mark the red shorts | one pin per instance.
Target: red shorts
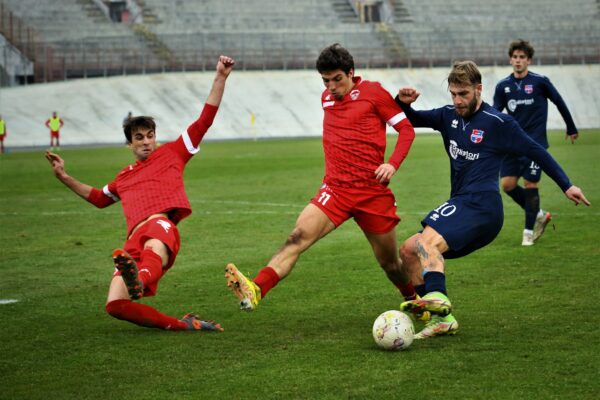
(373, 208)
(157, 228)
(55, 134)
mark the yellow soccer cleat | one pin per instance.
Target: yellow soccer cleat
(439, 326)
(244, 289)
(419, 315)
(434, 302)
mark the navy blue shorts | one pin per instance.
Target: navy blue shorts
(467, 222)
(520, 166)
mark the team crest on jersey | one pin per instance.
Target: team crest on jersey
(477, 136)
(506, 89)
(528, 89)
(354, 94)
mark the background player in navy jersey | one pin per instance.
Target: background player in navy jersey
(356, 178)
(476, 138)
(525, 96)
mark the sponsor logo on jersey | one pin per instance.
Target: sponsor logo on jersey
(477, 135)
(513, 104)
(528, 89)
(506, 89)
(454, 123)
(456, 152)
(328, 103)
(354, 94)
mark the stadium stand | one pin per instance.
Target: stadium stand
(561, 31)
(284, 103)
(73, 38)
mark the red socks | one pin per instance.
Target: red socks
(149, 267)
(266, 279)
(143, 315)
(408, 291)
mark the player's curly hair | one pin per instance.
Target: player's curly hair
(522, 45)
(134, 123)
(464, 73)
(335, 57)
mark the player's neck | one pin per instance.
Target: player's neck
(520, 75)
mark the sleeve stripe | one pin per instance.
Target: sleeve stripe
(109, 194)
(396, 118)
(188, 143)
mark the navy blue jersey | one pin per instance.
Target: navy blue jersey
(526, 100)
(477, 145)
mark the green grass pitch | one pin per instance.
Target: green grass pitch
(528, 316)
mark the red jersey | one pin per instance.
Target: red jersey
(155, 185)
(354, 134)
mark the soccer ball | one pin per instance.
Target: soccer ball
(393, 330)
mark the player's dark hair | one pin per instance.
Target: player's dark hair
(335, 57)
(134, 123)
(522, 45)
(464, 73)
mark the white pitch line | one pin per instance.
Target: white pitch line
(246, 203)
(8, 301)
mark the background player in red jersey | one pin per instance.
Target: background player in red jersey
(154, 201)
(356, 178)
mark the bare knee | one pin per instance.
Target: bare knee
(407, 250)
(508, 183)
(295, 238)
(530, 185)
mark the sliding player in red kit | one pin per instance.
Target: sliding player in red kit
(153, 197)
(356, 178)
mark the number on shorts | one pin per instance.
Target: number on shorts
(324, 198)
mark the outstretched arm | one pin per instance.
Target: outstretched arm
(58, 165)
(99, 198)
(224, 68)
(196, 130)
(418, 119)
(520, 143)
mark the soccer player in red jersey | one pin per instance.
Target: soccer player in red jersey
(153, 198)
(356, 178)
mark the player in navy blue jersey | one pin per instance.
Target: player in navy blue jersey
(525, 94)
(476, 138)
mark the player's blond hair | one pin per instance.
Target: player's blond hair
(464, 73)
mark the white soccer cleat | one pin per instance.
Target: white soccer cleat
(542, 219)
(527, 238)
